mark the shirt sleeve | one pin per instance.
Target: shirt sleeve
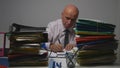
(50, 34)
(49, 30)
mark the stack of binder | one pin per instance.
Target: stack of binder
(25, 49)
(96, 42)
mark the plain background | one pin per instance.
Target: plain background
(40, 12)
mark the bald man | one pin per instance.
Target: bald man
(56, 29)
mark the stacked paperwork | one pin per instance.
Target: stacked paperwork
(25, 49)
(96, 42)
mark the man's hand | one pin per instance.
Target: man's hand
(69, 47)
(56, 47)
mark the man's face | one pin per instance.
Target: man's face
(69, 19)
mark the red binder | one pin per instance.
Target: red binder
(1, 66)
(93, 38)
(2, 43)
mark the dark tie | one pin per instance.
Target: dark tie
(66, 39)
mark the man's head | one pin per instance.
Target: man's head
(69, 15)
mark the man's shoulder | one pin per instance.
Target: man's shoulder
(55, 22)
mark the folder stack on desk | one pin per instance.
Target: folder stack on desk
(96, 42)
(25, 47)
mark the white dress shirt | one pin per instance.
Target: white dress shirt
(56, 34)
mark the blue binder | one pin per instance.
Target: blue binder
(4, 61)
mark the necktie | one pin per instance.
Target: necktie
(66, 39)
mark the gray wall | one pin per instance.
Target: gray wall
(118, 31)
(40, 12)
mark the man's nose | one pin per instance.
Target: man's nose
(69, 21)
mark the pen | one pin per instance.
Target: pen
(59, 41)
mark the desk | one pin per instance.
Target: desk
(103, 66)
(115, 65)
